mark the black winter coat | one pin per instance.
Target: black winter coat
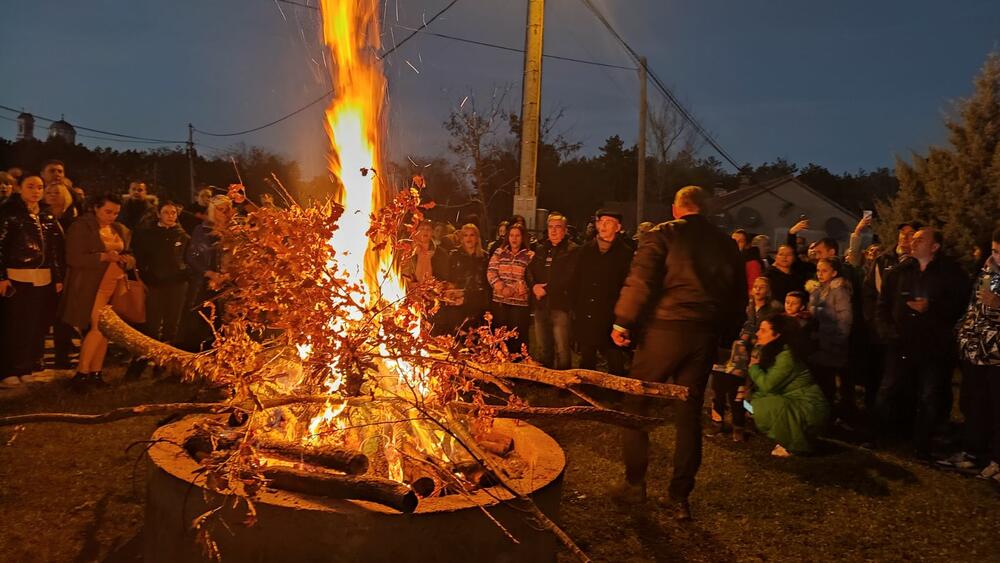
(556, 267)
(599, 280)
(468, 272)
(159, 254)
(930, 334)
(30, 242)
(686, 270)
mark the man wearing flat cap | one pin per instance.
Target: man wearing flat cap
(685, 292)
(600, 273)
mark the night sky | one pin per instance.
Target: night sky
(843, 84)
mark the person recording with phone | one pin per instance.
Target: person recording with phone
(921, 300)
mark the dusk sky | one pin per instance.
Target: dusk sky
(843, 84)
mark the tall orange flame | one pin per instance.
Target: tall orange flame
(355, 122)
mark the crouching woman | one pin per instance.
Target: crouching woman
(787, 404)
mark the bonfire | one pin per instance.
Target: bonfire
(334, 384)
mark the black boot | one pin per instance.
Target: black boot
(80, 381)
(96, 379)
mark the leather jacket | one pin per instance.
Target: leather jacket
(30, 242)
(554, 265)
(686, 270)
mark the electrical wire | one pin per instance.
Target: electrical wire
(516, 50)
(416, 31)
(330, 91)
(662, 87)
(270, 123)
(100, 131)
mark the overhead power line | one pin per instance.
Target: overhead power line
(269, 123)
(516, 50)
(662, 87)
(330, 91)
(417, 30)
(100, 131)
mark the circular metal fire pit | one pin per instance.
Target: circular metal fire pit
(297, 527)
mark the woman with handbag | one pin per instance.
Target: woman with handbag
(97, 253)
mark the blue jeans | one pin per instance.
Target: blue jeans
(552, 328)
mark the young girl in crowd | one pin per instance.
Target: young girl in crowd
(31, 271)
(830, 306)
(726, 385)
(506, 275)
(786, 404)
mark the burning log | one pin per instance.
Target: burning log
(382, 491)
(348, 461)
(200, 444)
(496, 443)
(475, 473)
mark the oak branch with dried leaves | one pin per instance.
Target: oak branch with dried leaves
(317, 361)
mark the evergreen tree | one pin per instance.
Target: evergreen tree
(956, 188)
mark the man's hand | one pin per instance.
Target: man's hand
(5, 286)
(539, 290)
(866, 221)
(800, 226)
(620, 337)
(59, 288)
(918, 305)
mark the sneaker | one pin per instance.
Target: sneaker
(780, 451)
(627, 493)
(991, 471)
(10, 382)
(961, 460)
(739, 435)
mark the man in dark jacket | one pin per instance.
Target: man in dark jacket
(687, 288)
(601, 270)
(137, 209)
(550, 277)
(920, 303)
(870, 291)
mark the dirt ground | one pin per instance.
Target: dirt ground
(73, 493)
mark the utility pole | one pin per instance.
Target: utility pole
(640, 149)
(525, 201)
(190, 150)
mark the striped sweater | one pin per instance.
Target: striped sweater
(506, 274)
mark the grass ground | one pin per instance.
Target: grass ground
(72, 493)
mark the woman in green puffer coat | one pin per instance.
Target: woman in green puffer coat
(787, 404)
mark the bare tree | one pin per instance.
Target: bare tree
(672, 137)
(474, 131)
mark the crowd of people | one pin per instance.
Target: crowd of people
(64, 256)
(789, 335)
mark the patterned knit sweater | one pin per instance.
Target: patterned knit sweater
(506, 274)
